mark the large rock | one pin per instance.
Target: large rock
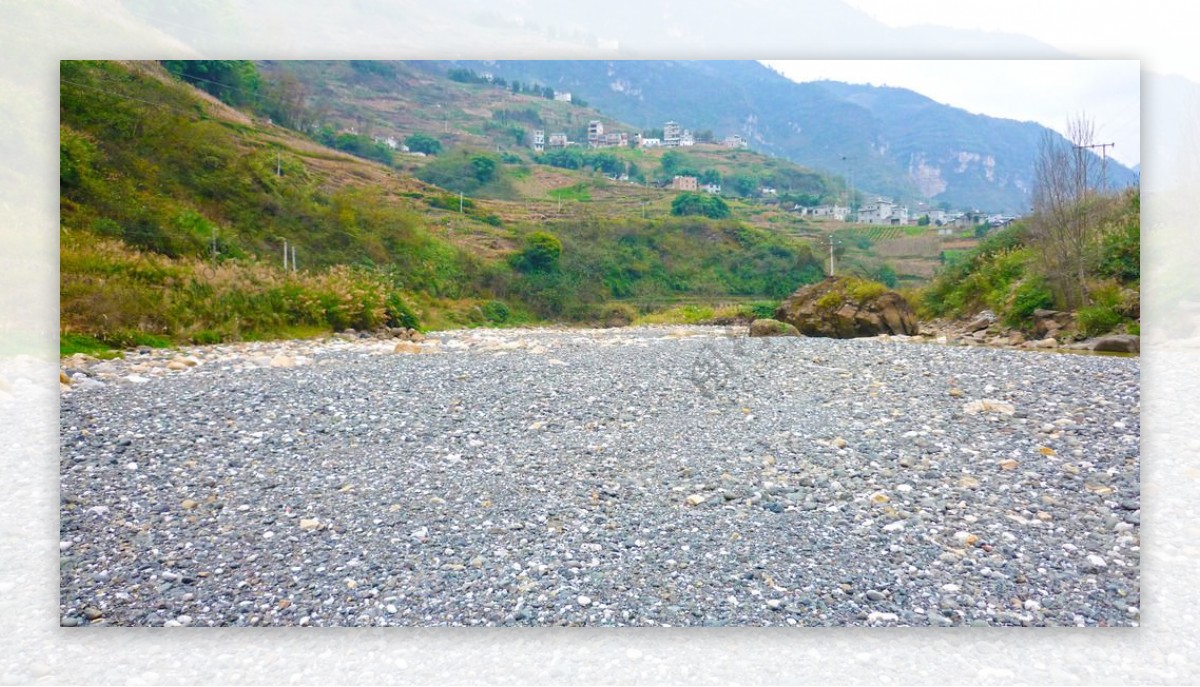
(982, 321)
(1048, 323)
(846, 308)
(767, 327)
(1118, 343)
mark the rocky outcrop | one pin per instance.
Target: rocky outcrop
(1050, 323)
(1118, 343)
(768, 327)
(846, 308)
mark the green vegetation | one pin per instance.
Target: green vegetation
(703, 204)
(705, 314)
(423, 143)
(1006, 274)
(174, 216)
(469, 172)
(355, 144)
(606, 162)
(578, 192)
(235, 82)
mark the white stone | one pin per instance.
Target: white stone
(584, 600)
(988, 405)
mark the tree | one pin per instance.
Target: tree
(285, 101)
(672, 161)
(704, 204)
(235, 82)
(1062, 226)
(484, 167)
(745, 185)
(423, 143)
(541, 253)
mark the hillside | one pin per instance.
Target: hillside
(894, 141)
(176, 207)
(469, 112)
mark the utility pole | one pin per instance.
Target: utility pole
(214, 244)
(1103, 160)
(293, 257)
(460, 202)
(285, 253)
(850, 204)
(278, 164)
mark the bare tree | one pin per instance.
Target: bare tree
(1064, 196)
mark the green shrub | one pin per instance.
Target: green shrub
(704, 204)
(206, 337)
(1032, 294)
(1095, 320)
(830, 300)
(759, 310)
(398, 312)
(496, 312)
(864, 290)
(541, 253)
(70, 344)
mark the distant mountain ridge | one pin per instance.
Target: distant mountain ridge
(891, 141)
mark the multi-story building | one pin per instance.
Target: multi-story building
(595, 132)
(672, 132)
(883, 211)
(685, 183)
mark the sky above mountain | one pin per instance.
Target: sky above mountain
(1049, 92)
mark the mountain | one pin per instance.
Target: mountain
(892, 141)
(184, 217)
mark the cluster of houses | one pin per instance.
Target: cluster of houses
(673, 136)
(881, 210)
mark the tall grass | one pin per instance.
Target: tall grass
(121, 296)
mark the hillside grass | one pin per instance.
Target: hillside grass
(174, 215)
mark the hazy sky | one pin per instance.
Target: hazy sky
(1049, 92)
(1161, 35)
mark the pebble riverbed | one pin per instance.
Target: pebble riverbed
(626, 477)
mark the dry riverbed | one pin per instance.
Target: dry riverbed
(637, 476)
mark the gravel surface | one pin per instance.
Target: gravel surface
(641, 476)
